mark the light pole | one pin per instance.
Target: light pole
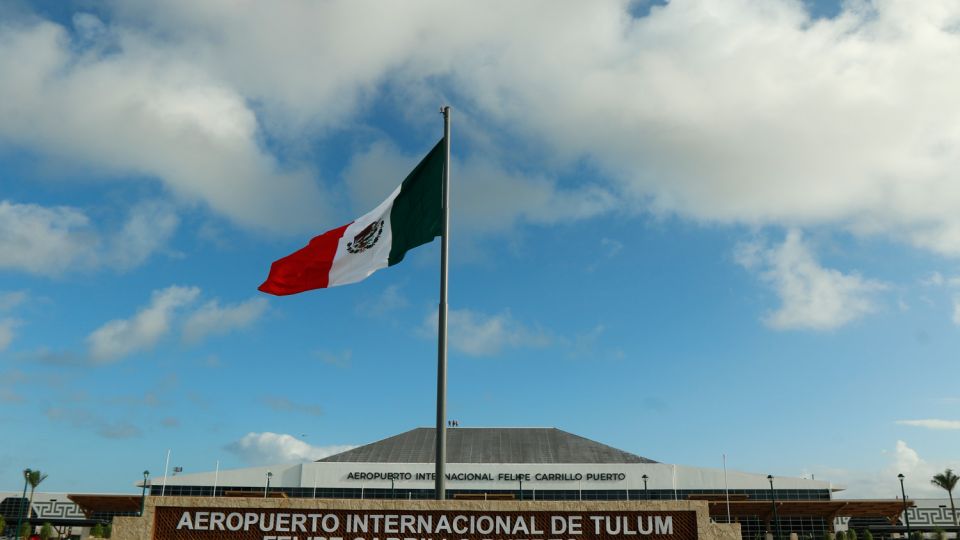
(521, 488)
(393, 494)
(26, 479)
(906, 516)
(266, 487)
(143, 493)
(646, 495)
(773, 499)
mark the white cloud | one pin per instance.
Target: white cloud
(163, 118)
(391, 299)
(119, 430)
(7, 395)
(149, 227)
(212, 319)
(590, 345)
(122, 337)
(478, 334)
(884, 483)
(44, 241)
(7, 327)
(267, 448)
(611, 247)
(847, 121)
(812, 297)
(282, 404)
(87, 419)
(8, 301)
(342, 359)
(53, 240)
(11, 299)
(11, 383)
(932, 423)
(933, 279)
(938, 281)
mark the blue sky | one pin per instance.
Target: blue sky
(683, 229)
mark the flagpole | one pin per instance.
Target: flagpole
(216, 479)
(441, 431)
(166, 466)
(726, 488)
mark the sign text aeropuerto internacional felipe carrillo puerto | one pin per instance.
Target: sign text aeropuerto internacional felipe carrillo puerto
(316, 524)
(490, 477)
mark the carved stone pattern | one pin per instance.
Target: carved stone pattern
(57, 509)
(931, 516)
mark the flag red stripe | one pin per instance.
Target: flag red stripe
(305, 269)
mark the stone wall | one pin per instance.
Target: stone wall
(141, 528)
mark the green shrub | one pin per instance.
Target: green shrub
(97, 531)
(108, 530)
(852, 534)
(841, 535)
(26, 530)
(46, 531)
(867, 535)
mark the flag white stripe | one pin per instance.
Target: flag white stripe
(352, 267)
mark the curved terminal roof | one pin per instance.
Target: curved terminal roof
(489, 445)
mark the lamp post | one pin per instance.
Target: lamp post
(773, 499)
(143, 493)
(906, 516)
(521, 488)
(266, 487)
(26, 479)
(393, 495)
(646, 495)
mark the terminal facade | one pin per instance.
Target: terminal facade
(532, 464)
(519, 464)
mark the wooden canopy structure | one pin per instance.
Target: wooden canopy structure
(113, 504)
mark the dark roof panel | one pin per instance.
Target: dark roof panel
(489, 445)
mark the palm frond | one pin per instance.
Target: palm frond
(34, 478)
(946, 480)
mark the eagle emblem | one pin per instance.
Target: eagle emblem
(366, 238)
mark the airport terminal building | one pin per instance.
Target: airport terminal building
(518, 463)
(523, 464)
(538, 464)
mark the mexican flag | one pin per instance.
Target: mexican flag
(411, 216)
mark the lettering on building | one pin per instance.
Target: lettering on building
(490, 477)
(313, 524)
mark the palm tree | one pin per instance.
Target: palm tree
(947, 480)
(33, 478)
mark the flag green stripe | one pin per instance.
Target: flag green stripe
(417, 214)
